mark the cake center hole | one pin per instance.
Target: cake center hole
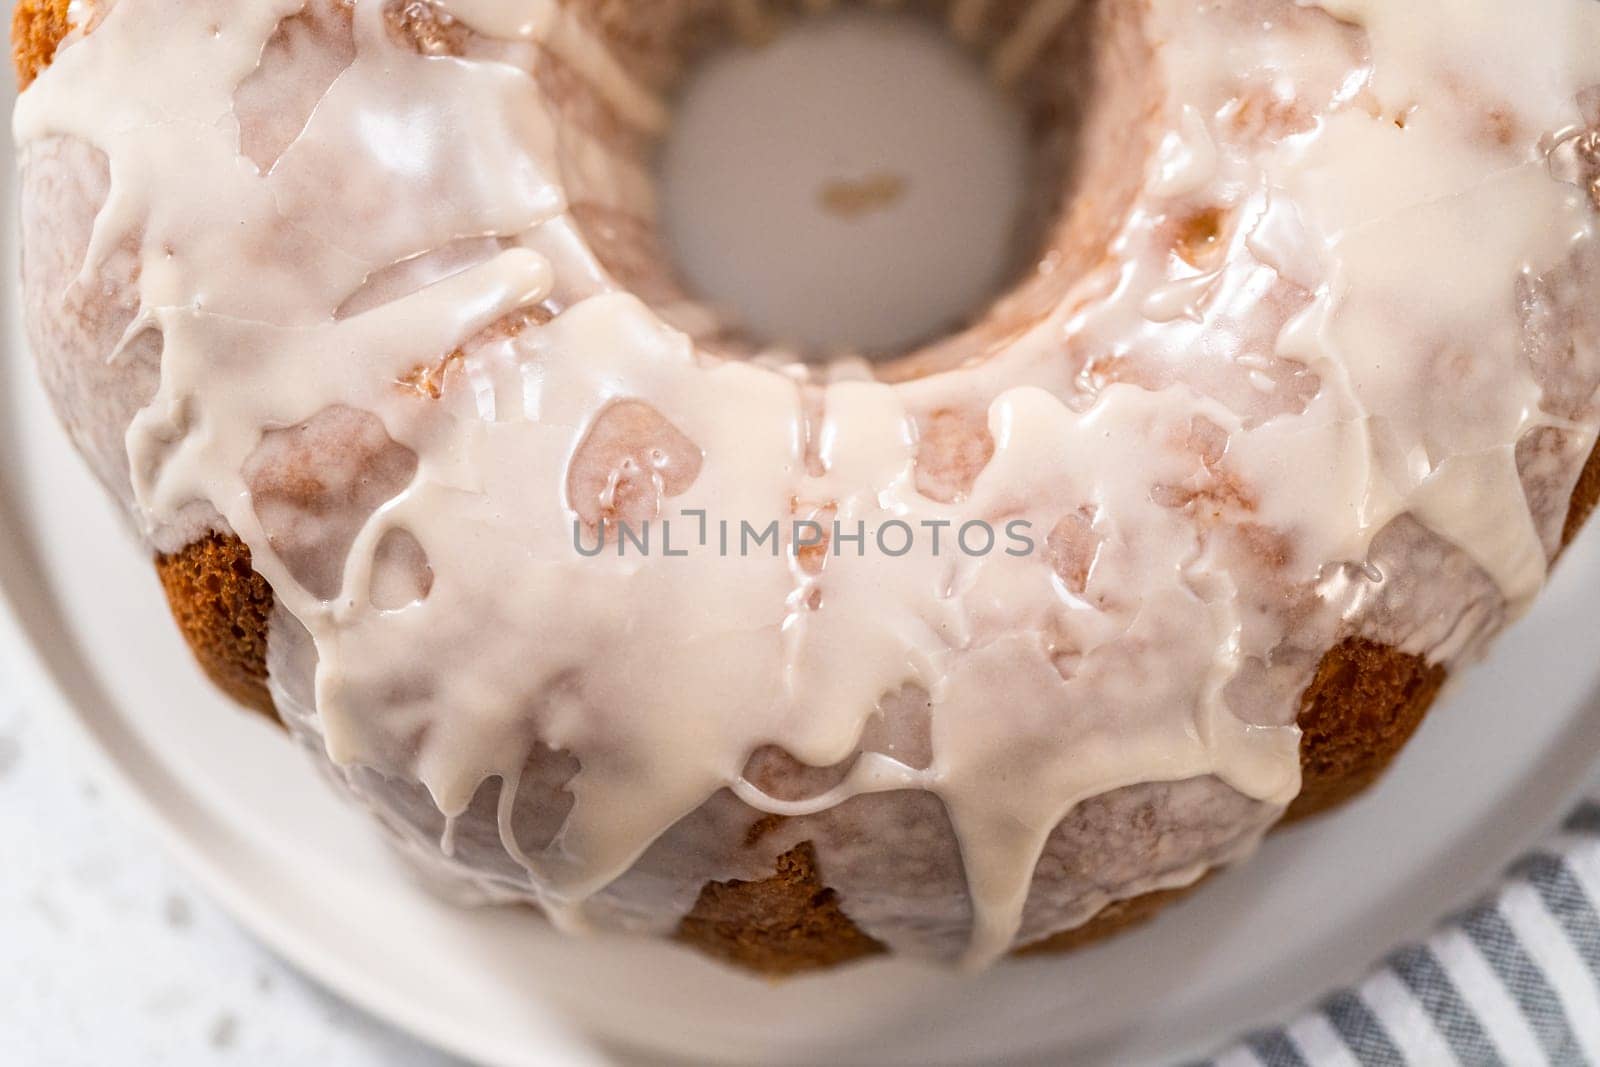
(858, 184)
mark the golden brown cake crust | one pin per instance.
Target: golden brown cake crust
(37, 26)
(1584, 498)
(778, 926)
(1362, 706)
(222, 606)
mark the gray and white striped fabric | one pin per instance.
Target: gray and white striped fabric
(1514, 980)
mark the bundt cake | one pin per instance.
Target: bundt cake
(360, 309)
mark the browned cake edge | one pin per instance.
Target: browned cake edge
(1584, 498)
(1362, 706)
(781, 925)
(222, 607)
(37, 26)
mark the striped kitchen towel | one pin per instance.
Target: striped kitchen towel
(1514, 980)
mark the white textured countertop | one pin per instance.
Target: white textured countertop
(113, 957)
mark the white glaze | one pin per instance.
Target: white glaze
(1239, 463)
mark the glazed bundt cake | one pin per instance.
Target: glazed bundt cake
(600, 604)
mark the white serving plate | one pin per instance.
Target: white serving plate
(1491, 770)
